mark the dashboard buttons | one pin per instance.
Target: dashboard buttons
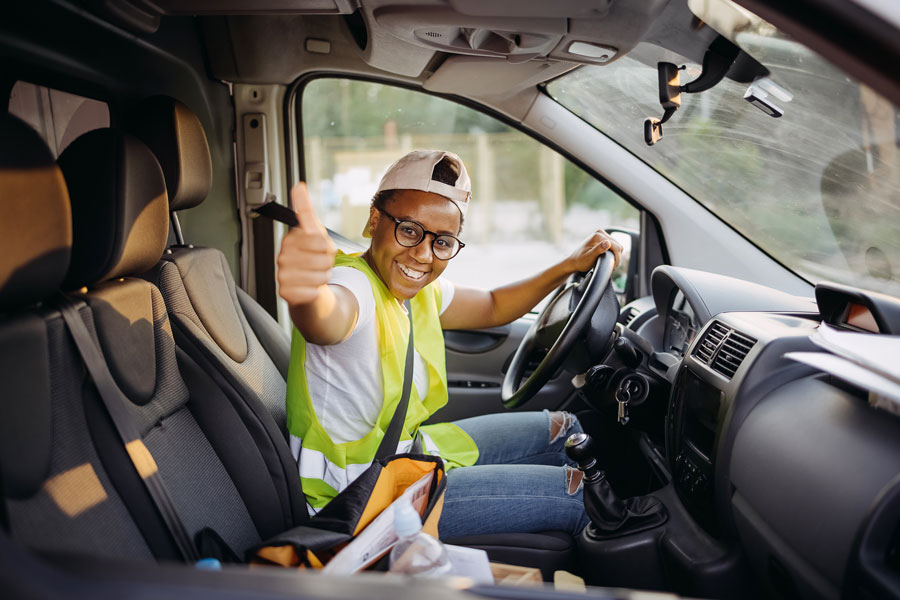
(691, 478)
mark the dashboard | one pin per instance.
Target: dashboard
(772, 438)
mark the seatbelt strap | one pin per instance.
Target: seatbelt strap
(114, 401)
(388, 446)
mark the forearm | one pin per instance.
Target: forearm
(477, 309)
(329, 319)
(511, 301)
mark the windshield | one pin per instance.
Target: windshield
(818, 188)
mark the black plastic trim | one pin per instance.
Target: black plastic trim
(833, 300)
(357, 26)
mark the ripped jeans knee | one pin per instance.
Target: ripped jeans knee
(574, 479)
(562, 424)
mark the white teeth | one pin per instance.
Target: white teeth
(410, 273)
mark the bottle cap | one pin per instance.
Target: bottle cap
(208, 564)
(406, 520)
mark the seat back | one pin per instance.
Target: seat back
(223, 325)
(57, 493)
(214, 322)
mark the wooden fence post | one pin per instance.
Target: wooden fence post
(553, 192)
(485, 186)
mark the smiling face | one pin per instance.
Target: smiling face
(405, 271)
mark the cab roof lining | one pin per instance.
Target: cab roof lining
(847, 33)
(273, 48)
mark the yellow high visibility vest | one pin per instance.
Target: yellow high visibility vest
(327, 467)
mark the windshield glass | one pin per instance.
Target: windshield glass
(818, 188)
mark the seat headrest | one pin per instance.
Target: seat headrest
(120, 215)
(174, 134)
(35, 220)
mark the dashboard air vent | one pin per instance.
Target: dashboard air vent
(734, 349)
(711, 341)
(631, 315)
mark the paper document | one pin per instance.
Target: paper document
(849, 372)
(379, 536)
(865, 360)
(469, 562)
(875, 352)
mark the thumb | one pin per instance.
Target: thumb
(303, 208)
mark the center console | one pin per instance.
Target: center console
(691, 427)
(686, 552)
(692, 552)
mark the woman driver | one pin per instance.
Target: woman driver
(506, 472)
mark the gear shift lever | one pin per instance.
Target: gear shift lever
(606, 510)
(580, 449)
(609, 514)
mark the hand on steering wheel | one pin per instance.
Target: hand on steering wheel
(558, 327)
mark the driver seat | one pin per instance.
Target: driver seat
(225, 331)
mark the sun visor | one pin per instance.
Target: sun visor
(484, 77)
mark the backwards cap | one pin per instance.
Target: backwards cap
(413, 172)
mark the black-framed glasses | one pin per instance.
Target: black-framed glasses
(411, 233)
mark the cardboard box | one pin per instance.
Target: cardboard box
(515, 575)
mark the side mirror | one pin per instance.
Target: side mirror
(625, 277)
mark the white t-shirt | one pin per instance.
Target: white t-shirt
(345, 380)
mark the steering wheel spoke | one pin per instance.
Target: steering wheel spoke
(555, 316)
(549, 333)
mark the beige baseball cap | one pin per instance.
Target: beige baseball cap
(414, 171)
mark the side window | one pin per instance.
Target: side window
(59, 117)
(530, 206)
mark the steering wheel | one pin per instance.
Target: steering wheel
(553, 334)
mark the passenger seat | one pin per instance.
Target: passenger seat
(234, 340)
(216, 322)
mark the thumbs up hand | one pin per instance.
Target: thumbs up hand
(307, 253)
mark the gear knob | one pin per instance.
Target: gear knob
(580, 449)
(609, 514)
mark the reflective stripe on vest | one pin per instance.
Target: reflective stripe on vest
(325, 467)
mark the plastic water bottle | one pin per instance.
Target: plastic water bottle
(417, 553)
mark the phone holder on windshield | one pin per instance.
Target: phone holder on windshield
(717, 60)
(669, 98)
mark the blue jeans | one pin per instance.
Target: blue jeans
(523, 481)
